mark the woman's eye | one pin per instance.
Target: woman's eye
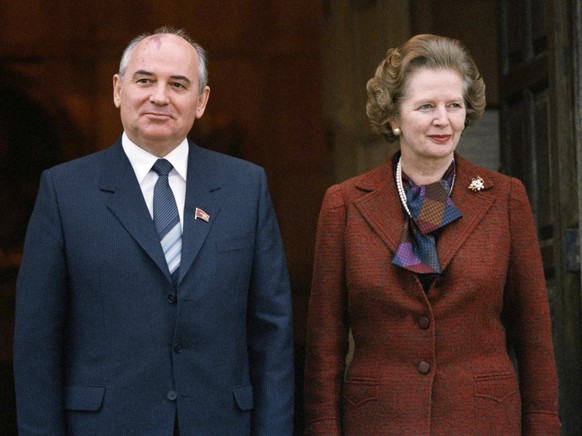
(425, 107)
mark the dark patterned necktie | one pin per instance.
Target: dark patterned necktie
(166, 217)
(431, 209)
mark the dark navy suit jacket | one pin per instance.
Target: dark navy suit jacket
(105, 344)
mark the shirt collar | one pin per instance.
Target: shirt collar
(142, 161)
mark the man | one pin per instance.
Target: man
(124, 328)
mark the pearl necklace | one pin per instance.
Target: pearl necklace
(400, 186)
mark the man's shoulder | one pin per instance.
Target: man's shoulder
(86, 162)
(221, 163)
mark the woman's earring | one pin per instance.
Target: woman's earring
(396, 131)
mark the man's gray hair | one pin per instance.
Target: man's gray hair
(202, 59)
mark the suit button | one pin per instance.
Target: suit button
(172, 298)
(172, 395)
(178, 348)
(424, 367)
(424, 322)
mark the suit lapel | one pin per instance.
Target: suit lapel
(382, 210)
(201, 188)
(128, 205)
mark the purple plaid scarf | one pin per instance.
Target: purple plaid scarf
(431, 209)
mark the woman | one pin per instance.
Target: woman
(432, 265)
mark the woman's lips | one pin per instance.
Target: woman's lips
(440, 138)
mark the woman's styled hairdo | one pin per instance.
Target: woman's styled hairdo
(387, 86)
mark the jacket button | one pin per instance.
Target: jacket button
(172, 298)
(424, 322)
(424, 367)
(172, 395)
(178, 348)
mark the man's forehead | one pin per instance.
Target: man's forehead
(155, 39)
(159, 41)
(172, 48)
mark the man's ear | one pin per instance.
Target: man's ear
(202, 101)
(116, 90)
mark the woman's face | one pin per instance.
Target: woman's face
(431, 114)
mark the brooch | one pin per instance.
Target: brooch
(477, 184)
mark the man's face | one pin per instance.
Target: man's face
(158, 96)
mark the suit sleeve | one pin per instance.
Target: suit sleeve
(528, 321)
(41, 304)
(270, 327)
(327, 323)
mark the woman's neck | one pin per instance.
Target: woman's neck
(425, 172)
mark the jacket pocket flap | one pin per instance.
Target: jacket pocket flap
(360, 390)
(496, 386)
(84, 398)
(244, 397)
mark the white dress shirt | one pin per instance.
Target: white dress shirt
(142, 163)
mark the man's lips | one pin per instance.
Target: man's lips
(157, 115)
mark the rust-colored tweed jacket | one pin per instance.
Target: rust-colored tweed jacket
(432, 363)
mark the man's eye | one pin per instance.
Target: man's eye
(143, 81)
(178, 85)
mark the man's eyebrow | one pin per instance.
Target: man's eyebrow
(142, 73)
(181, 78)
(174, 77)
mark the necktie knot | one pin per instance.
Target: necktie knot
(162, 167)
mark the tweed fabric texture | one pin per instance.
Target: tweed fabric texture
(431, 209)
(433, 363)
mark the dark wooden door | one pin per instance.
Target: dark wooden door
(538, 145)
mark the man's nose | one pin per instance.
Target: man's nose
(159, 94)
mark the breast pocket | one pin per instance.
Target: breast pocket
(234, 243)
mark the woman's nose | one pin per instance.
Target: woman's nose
(441, 116)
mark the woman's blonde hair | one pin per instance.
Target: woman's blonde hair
(387, 86)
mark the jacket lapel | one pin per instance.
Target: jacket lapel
(201, 189)
(472, 204)
(381, 207)
(128, 205)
